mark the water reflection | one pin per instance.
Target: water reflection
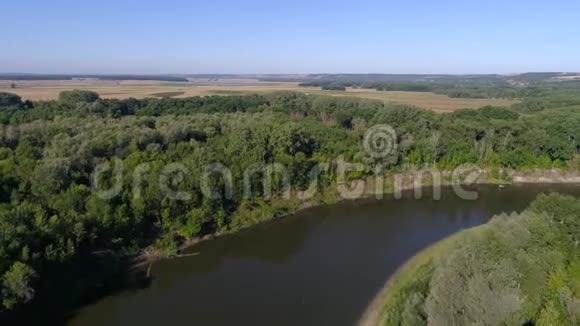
(321, 266)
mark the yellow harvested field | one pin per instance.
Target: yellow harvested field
(48, 90)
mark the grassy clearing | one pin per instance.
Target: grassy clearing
(49, 90)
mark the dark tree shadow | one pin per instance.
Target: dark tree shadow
(73, 284)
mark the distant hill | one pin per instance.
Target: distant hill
(19, 76)
(524, 79)
(495, 79)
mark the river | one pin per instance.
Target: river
(321, 266)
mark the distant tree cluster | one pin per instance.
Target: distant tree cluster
(476, 86)
(78, 96)
(334, 88)
(9, 99)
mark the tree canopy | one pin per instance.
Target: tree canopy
(518, 269)
(9, 99)
(78, 96)
(52, 218)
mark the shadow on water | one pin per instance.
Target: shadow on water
(76, 283)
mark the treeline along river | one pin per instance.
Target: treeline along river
(321, 266)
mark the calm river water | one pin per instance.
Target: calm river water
(319, 267)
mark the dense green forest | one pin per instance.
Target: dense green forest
(519, 269)
(52, 221)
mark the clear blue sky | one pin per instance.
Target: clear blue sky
(300, 36)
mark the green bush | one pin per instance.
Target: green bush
(491, 112)
(9, 99)
(78, 96)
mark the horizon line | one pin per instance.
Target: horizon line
(287, 74)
